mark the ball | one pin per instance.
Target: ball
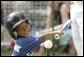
(48, 44)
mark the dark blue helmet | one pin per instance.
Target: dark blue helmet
(13, 20)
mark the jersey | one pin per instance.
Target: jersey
(25, 45)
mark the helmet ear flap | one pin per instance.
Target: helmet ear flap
(15, 33)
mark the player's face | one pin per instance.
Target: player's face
(23, 29)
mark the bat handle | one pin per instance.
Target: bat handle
(56, 36)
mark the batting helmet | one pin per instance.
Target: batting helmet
(13, 20)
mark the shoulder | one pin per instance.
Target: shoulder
(23, 40)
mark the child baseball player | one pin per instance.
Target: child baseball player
(19, 28)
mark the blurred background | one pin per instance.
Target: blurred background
(43, 15)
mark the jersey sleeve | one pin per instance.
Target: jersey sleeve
(35, 42)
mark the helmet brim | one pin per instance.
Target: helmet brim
(18, 23)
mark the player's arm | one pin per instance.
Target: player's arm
(48, 35)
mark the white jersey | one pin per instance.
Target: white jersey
(77, 25)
